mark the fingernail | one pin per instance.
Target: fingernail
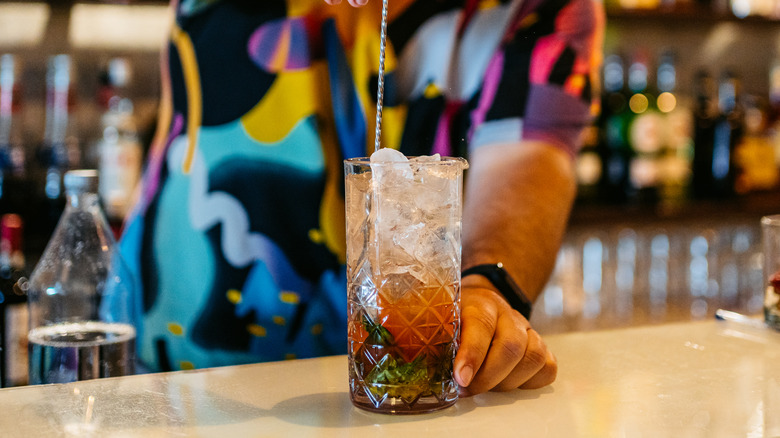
(465, 374)
(361, 2)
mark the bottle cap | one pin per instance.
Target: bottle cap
(84, 180)
(59, 72)
(7, 70)
(119, 72)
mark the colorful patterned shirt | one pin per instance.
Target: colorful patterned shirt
(237, 240)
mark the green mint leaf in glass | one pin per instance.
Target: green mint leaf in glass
(397, 378)
(377, 334)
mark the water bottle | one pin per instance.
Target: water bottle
(79, 295)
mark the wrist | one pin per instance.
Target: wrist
(495, 277)
(477, 281)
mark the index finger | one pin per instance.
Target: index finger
(477, 328)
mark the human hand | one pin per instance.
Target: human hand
(499, 350)
(356, 3)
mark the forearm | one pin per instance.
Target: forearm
(517, 203)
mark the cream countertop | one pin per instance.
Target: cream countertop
(703, 379)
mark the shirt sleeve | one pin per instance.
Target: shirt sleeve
(543, 84)
(564, 76)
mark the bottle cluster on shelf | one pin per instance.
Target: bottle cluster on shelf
(32, 167)
(32, 172)
(652, 144)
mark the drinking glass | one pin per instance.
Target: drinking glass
(403, 275)
(770, 229)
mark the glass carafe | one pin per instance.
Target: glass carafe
(79, 295)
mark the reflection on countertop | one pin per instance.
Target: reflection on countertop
(626, 267)
(710, 378)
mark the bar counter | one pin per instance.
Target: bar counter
(696, 379)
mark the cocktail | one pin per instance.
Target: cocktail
(403, 276)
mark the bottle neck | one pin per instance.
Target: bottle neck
(80, 204)
(667, 77)
(637, 77)
(8, 107)
(727, 97)
(56, 116)
(57, 100)
(82, 200)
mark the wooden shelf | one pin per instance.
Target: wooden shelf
(687, 15)
(737, 209)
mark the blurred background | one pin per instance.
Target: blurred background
(674, 176)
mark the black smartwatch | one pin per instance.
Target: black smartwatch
(503, 282)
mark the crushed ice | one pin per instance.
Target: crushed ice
(415, 209)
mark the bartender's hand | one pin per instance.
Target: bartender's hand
(499, 350)
(355, 3)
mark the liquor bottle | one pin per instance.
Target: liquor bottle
(728, 132)
(60, 149)
(718, 132)
(14, 193)
(119, 150)
(704, 118)
(613, 125)
(675, 166)
(80, 295)
(13, 304)
(645, 132)
(754, 155)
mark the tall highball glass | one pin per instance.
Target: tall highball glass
(403, 274)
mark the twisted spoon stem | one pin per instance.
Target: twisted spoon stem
(380, 90)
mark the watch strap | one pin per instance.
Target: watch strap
(505, 284)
